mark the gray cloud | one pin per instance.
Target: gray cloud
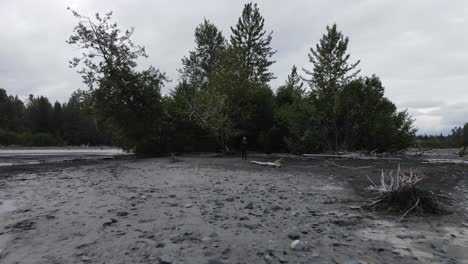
(417, 48)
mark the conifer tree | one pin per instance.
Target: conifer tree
(330, 73)
(202, 63)
(250, 37)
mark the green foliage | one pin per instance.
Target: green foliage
(126, 100)
(40, 124)
(253, 43)
(12, 111)
(369, 121)
(465, 135)
(39, 114)
(203, 62)
(330, 72)
(223, 95)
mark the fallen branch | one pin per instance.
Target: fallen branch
(372, 204)
(446, 161)
(409, 210)
(347, 156)
(275, 164)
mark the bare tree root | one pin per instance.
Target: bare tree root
(409, 210)
(399, 193)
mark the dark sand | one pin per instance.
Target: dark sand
(220, 210)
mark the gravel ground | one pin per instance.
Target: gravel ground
(221, 210)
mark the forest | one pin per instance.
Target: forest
(222, 94)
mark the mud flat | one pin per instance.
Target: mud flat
(221, 210)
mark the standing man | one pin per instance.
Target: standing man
(244, 148)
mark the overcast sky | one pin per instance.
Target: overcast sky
(418, 48)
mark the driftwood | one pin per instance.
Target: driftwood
(275, 164)
(399, 192)
(347, 156)
(446, 161)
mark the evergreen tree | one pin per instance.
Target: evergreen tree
(292, 91)
(252, 40)
(294, 80)
(330, 72)
(39, 114)
(202, 63)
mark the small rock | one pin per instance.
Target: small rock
(243, 218)
(276, 208)
(268, 258)
(85, 259)
(298, 245)
(404, 236)
(315, 253)
(188, 206)
(172, 196)
(166, 259)
(121, 213)
(109, 222)
(294, 235)
(160, 245)
(249, 205)
(355, 207)
(380, 249)
(226, 251)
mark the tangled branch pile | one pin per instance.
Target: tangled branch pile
(399, 192)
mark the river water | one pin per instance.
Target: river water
(26, 156)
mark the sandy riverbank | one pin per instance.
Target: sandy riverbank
(219, 210)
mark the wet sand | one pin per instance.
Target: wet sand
(220, 210)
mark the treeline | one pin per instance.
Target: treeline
(458, 138)
(223, 94)
(39, 123)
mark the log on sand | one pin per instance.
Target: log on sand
(275, 164)
(347, 156)
(446, 161)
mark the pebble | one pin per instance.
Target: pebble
(109, 222)
(276, 208)
(166, 259)
(298, 245)
(249, 205)
(160, 245)
(294, 235)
